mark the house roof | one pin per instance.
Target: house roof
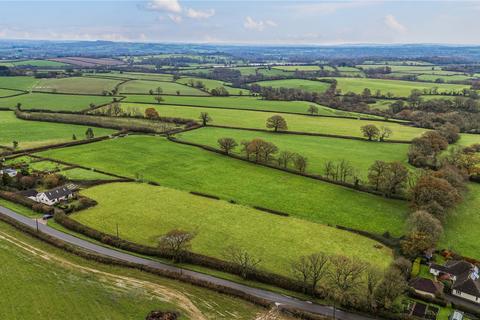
(29, 193)
(426, 285)
(454, 267)
(467, 284)
(419, 309)
(57, 193)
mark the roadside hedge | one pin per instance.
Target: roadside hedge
(26, 202)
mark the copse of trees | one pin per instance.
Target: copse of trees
(390, 178)
(424, 151)
(373, 133)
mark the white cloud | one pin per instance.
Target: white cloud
(175, 18)
(392, 23)
(199, 14)
(165, 5)
(330, 7)
(258, 25)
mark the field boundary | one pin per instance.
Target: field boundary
(287, 170)
(314, 134)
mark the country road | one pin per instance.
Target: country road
(277, 298)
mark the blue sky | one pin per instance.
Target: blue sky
(252, 22)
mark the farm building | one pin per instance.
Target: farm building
(465, 278)
(55, 195)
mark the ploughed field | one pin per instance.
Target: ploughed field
(30, 134)
(145, 212)
(318, 150)
(192, 169)
(300, 123)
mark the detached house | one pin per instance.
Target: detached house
(9, 171)
(55, 195)
(465, 278)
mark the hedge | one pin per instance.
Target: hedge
(24, 201)
(205, 195)
(389, 242)
(279, 213)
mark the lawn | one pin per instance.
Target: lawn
(18, 83)
(397, 87)
(145, 212)
(318, 150)
(212, 84)
(44, 283)
(462, 233)
(83, 174)
(144, 87)
(81, 85)
(303, 123)
(30, 134)
(54, 102)
(301, 84)
(192, 169)
(247, 103)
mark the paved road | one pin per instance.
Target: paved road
(265, 294)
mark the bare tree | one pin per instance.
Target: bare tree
(370, 131)
(312, 109)
(300, 162)
(243, 259)
(158, 95)
(177, 242)
(205, 118)
(310, 270)
(284, 158)
(227, 144)
(384, 133)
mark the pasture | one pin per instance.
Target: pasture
(7, 92)
(32, 63)
(298, 68)
(212, 84)
(45, 283)
(461, 228)
(83, 174)
(300, 84)
(144, 87)
(318, 150)
(79, 85)
(137, 75)
(145, 212)
(398, 88)
(18, 83)
(30, 134)
(247, 103)
(192, 169)
(301, 123)
(54, 102)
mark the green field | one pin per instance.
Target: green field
(47, 166)
(18, 83)
(446, 78)
(212, 84)
(318, 150)
(303, 123)
(45, 283)
(81, 85)
(32, 134)
(192, 169)
(299, 68)
(144, 213)
(54, 102)
(32, 63)
(301, 84)
(397, 87)
(461, 230)
(144, 87)
(6, 93)
(83, 174)
(247, 103)
(135, 75)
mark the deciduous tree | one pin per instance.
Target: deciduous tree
(176, 242)
(227, 144)
(276, 123)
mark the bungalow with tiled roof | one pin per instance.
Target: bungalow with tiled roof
(426, 287)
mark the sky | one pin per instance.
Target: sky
(244, 22)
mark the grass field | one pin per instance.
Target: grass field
(461, 230)
(397, 87)
(248, 103)
(82, 174)
(299, 68)
(303, 123)
(18, 83)
(212, 84)
(6, 93)
(301, 84)
(32, 63)
(45, 283)
(144, 86)
(31, 134)
(136, 75)
(53, 102)
(144, 213)
(47, 166)
(192, 169)
(318, 150)
(81, 85)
